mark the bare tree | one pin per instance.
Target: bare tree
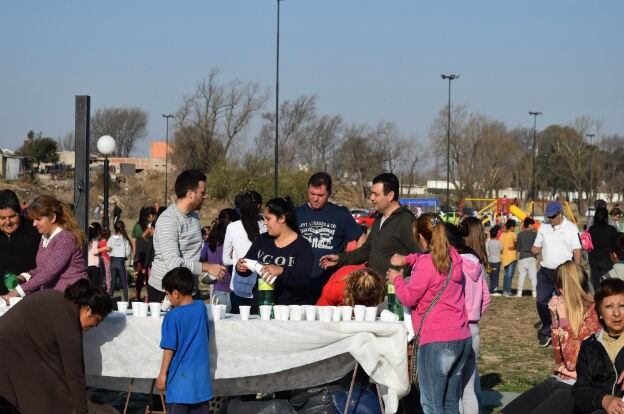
(210, 119)
(126, 125)
(323, 137)
(67, 142)
(391, 143)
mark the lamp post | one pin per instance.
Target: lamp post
(534, 114)
(276, 178)
(167, 116)
(448, 142)
(106, 146)
(591, 169)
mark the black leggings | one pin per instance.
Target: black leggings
(548, 397)
(118, 269)
(95, 276)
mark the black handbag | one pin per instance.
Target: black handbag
(412, 346)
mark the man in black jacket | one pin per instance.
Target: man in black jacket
(19, 240)
(392, 232)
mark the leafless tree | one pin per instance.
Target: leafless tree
(323, 138)
(126, 125)
(210, 119)
(67, 142)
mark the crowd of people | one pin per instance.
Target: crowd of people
(443, 274)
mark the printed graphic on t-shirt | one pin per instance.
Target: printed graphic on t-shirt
(264, 257)
(319, 234)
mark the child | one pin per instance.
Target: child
(119, 249)
(617, 256)
(103, 251)
(494, 249)
(509, 258)
(185, 369)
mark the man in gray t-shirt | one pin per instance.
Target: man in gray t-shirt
(527, 262)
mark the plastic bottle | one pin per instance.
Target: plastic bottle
(394, 305)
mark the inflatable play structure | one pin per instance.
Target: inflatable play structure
(499, 210)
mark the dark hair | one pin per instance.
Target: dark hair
(120, 227)
(600, 203)
(188, 180)
(180, 279)
(617, 246)
(95, 231)
(8, 199)
(283, 207)
(528, 221)
(456, 235)
(255, 197)
(494, 231)
(510, 224)
(144, 214)
(217, 231)
(238, 199)
(83, 294)
(321, 178)
(601, 216)
(475, 238)
(249, 212)
(608, 287)
(615, 211)
(390, 183)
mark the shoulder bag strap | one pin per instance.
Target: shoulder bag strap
(435, 300)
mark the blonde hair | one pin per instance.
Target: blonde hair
(431, 228)
(572, 279)
(364, 287)
(48, 206)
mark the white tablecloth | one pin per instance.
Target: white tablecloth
(259, 356)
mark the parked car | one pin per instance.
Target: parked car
(367, 220)
(359, 212)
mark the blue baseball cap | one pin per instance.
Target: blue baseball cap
(553, 208)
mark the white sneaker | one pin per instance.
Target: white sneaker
(534, 294)
(519, 294)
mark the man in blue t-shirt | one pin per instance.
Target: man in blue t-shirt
(185, 369)
(327, 226)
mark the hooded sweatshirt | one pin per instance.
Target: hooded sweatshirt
(120, 246)
(396, 235)
(447, 320)
(476, 292)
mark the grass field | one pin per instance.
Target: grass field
(510, 358)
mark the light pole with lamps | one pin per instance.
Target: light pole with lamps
(276, 177)
(591, 169)
(167, 116)
(106, 146)
(534, 114)
(448, 142)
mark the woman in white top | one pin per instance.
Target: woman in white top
(238, 238)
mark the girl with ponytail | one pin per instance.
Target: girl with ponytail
(60, 261)
(444, 340)
(42, 366)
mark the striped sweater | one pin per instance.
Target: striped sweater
(177, 243)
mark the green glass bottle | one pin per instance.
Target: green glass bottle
(10, 280)
(394, 305)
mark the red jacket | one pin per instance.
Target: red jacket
(333, 291)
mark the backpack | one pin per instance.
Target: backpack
(586, 241)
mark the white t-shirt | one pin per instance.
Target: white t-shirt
(557, 242)
(236, 243)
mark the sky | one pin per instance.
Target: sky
(366, 60)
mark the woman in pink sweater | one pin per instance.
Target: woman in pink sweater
(445, 339)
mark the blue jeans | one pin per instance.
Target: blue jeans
(509, 272)
(440, 367)
(494, 276)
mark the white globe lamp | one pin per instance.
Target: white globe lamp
(106, 145)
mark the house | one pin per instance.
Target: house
(11, 165)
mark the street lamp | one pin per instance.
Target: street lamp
(533, 187)
(167, 116)
(448, 141)
(106, 146)
(275, 178)
(591, 169)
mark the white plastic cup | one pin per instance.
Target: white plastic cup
(144, 308)
(359, 311)
(244, 312)
(336, 313)
(136, 309)
(371, 313)
(223, 310)
(154, 308)
(282, 311)
(265, 312)
(310, 311)
(216, 312)
(122, 307)
(326, 313)
(295, 312)
(13, 301)
(346, 312)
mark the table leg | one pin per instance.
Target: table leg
(125, 411)
(346, 410)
